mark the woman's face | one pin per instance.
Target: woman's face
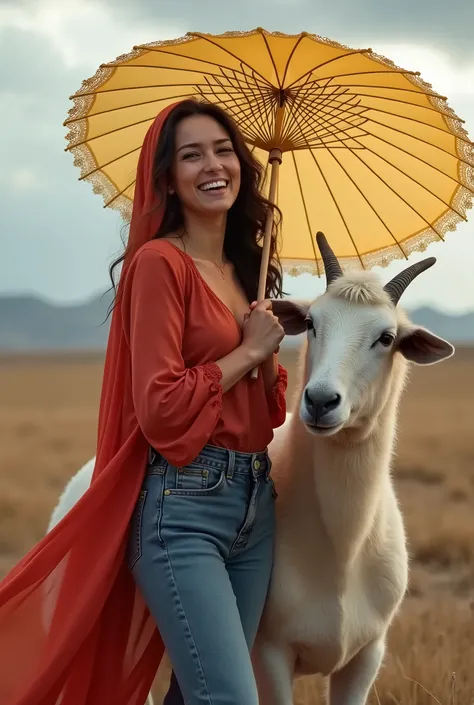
(206, 170)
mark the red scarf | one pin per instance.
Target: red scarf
(102, 645)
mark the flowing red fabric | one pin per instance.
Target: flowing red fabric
(73, 628)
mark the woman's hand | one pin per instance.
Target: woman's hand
(262, 332)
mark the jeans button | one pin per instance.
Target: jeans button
(256, 464)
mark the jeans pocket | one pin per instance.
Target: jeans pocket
(196, 480)
(134, 548)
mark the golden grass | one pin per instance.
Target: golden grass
(48, 412)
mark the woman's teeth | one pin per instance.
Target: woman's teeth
(213, 185)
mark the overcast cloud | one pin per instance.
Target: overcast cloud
(57, 240)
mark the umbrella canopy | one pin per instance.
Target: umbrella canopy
(370, 154)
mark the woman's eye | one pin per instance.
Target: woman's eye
(189, 155)
(226, 149)
(386, 339)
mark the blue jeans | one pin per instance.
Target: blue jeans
(201, 552)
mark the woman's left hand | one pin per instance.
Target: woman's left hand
(252, 306)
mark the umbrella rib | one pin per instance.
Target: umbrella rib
(195, 58)
(110, 132)
(126, 107)
(250, 131)
(333, 143)
(368, 149)
(419, 122)
(325, 63)
(315, 88)
(117, 195)
(117, 129)
(268, 103)
(326, 96)
(288, 62)
(326, 132)
(238, 109)
(337, 206)
(293, 114)
(349, 87)
(415, 181)
(230, 90)
(328, 103)
(306, 212)
(171, 68)
(377, 214)
(112, 161)
(266, 100)
(316, 113)
(422, 217)
(241, 61)
(326, 126)
(385, 73)
(370, 205)
(418, 139)
(270, 115)
(293, 119)
(136, 88)
(403, 102)
(271, 59)
(423, 161)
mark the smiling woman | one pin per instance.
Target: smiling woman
(199, 145)
(172, 544)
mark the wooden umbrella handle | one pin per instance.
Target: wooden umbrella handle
(274, 159)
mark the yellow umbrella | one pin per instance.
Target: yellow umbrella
(369, 153)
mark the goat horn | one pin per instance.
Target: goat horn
(331, 265)
(399, 283)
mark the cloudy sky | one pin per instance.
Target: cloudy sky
(56, 240)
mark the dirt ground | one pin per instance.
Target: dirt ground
(48, 413)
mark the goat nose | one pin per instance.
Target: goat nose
(321, 403)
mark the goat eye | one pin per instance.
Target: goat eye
(310, 325)
(386, 339)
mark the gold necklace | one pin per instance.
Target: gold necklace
(221, 268)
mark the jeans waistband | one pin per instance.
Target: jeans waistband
(229, 461)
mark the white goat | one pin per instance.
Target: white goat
(341, 565)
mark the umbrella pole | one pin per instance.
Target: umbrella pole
(275, 160)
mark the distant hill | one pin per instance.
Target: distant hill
(31, 324)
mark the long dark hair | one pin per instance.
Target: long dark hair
(245, 219)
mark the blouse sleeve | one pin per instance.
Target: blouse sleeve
(177, 408)
(276, 399)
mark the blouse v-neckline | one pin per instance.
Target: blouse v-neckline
(204, 283)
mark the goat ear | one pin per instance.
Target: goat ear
(291, 314)
(423, 347)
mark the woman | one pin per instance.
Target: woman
(196, 528)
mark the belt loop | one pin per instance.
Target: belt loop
(230, 465)
(268, 461)
(151, 455)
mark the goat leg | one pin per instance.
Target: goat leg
(352, 683)
(273, 665)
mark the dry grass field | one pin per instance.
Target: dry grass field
(48, 409)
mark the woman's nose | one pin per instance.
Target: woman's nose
(212, 162)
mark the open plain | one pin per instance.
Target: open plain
(48, 415)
